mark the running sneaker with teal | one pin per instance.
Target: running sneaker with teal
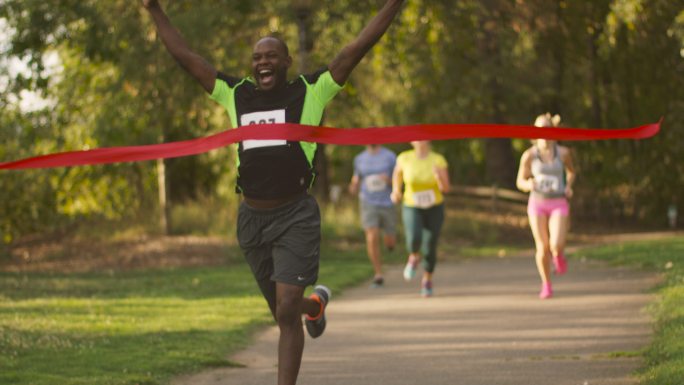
(377, 282)
(410, 269)
(426, 289)
(315, 326)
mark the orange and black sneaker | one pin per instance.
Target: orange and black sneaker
(315, 326)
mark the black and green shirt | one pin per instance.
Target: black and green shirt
(272, 169)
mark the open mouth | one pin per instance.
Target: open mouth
(266, 77)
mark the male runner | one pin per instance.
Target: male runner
(278, 222)
(372, 180)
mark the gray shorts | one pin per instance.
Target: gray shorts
(282, 244)
(379, 217)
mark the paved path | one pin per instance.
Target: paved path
(484, 326)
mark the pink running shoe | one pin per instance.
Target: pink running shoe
(546, 291)
(560, 264)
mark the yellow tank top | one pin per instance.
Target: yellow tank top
(421, 188)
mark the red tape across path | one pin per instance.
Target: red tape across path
(327, 135)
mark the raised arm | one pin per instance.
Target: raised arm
(194, 64)
(344, 63)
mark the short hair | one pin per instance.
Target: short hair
(278, 38)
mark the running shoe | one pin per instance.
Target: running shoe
(560, 264)
(546, 291)
(315, 326)
(426, 289)
(377, 282)
(410, 269)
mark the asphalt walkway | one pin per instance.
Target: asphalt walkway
(484, 326)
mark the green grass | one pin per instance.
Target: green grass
(665, 356)
(136, 327)
(144, 327)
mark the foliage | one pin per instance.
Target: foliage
(606, 63)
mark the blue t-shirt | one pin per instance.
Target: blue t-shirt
(375, 175)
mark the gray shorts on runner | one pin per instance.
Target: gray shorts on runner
(379, 217)
(282, 244)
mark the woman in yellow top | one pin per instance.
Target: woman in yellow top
(423, 176)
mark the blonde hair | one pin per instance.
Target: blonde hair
(546, 120)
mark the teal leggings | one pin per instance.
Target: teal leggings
(422, 227)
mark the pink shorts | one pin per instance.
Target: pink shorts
(548, 207)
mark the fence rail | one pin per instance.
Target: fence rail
(494, 193)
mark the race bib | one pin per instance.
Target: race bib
(424, 199)
(375, 183)
(547, 183)
(262, 117)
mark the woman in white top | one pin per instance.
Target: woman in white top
(547, 172)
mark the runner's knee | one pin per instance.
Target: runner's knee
(288, 310)
(543, 250)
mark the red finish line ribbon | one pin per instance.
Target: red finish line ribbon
(327, 135)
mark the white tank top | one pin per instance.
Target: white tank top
(549, 177)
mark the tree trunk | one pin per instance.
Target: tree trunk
(501, 165)
(559, 57)
(164, 206)
(303, 13)
(596, 108)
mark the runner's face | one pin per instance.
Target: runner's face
(270, 63)
(421, 145)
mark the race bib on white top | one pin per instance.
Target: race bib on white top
(262, 117)
(547, 183)
(375, 182)
(424, 199)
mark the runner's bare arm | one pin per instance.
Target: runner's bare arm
(442, 175)
(570, 172)
(345, 62)
(193, 63)
(524, 181)
(397, 184)
(354, 185)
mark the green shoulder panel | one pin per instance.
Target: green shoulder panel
(224, 95)
(318, 95)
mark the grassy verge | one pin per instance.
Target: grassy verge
(139, 327)
(665, 357)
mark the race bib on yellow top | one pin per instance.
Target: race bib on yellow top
(424, 199)
(262, 117)
(376, 182)
(547, 183)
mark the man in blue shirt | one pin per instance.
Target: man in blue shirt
(373, 178)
